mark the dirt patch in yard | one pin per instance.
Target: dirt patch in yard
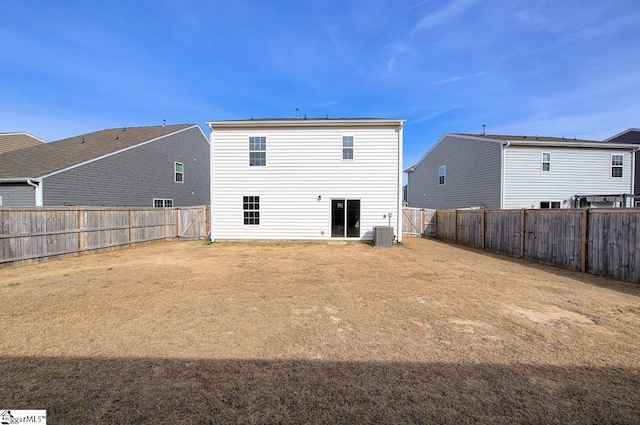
(309, 332)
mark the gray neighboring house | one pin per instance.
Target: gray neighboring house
(507, 172)
(14, 141)
(154, 166)
(631, 136)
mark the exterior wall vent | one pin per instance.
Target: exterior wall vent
(383, 236)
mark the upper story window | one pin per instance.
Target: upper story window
(347, 147)
(546, 161)
(179, 172)
(442, 173)
(617, 162)
(257, 151)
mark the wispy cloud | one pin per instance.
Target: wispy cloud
(434, 114)
(451, 11)
(326, 104)
(420, 3)
(457, 78)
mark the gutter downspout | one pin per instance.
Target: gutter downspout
(400, 175)
(502, 176)
(212, 227)
(633, 175)
(38, 195)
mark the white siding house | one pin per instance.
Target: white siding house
(506, 172)
(305, 179)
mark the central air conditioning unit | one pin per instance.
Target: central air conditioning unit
(383, 236)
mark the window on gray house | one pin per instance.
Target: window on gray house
(617, 163)
(179, 172)
(442, 172)
(546, 161)
(347, 147)
(251, 210)
(162, 203)
(257, 151)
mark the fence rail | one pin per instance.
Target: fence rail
(33, 233)
(600, 241)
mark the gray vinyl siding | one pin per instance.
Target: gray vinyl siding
(473, 175)
(136, 176)
(17, 195)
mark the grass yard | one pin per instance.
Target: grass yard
(181, 332)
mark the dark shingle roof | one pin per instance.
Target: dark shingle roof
(45, 158)
(631, 135)
(14, 141)
(532, 139)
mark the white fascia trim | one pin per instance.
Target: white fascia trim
(301, 122)
(201, 131)
(114, 153)
(24, 133)
(16, 179)
(598, 145)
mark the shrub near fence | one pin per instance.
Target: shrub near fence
(34, 233)
(600, 241)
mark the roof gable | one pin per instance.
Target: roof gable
(13, 141)
(631, 135)
(46, 158)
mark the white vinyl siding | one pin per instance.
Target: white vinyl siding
(576, 171)
(304, 174)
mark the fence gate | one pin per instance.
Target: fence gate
(412, 221)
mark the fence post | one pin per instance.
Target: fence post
(207, 220)
(455, 227)
(483, 227)
(423, 222)
(79, 223)
(129, 225)
(177, 232)
(585, 226)
(522, 230)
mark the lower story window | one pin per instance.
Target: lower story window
(251, 210)
(162, 203)
(549, 204)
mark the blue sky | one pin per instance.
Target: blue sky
(559, 68)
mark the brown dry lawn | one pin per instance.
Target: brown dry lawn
(181, 332)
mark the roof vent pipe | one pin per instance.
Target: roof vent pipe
(484, 129)
(297, 110)
(164, 122)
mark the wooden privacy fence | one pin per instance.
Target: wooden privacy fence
(418, 222)
(600, 241)
(32, 233)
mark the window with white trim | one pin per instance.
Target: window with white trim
(442, 173)
(257, 151)
(546, 161)
(617, 163)
(178, 172)
(162, 203)
(347, 147)
(251, 210)
(545, 205)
